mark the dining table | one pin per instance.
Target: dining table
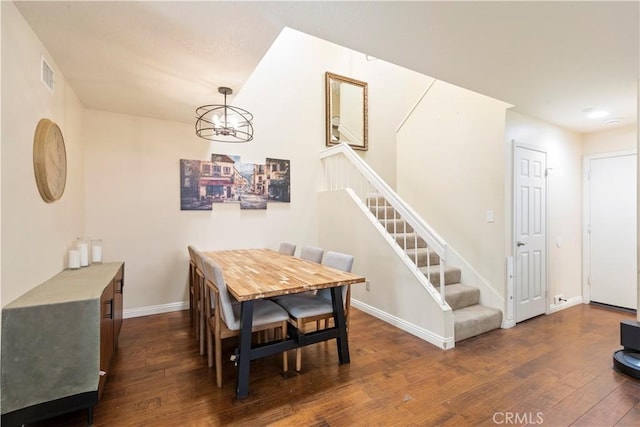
(254, 274)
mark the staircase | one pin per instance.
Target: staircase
(470, 317)
(421, 249)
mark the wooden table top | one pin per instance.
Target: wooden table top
(263, 273)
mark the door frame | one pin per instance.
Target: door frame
(586, 204)
(512, 283)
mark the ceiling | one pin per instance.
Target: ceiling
(551, 60)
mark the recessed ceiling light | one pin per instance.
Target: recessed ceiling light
(613, 121)
(593, 113)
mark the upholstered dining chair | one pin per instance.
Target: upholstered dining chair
(199, 299)
(312, 253)
(223, 316)
(287, 248)
(192, 285)
(305, 308)
(196, 287)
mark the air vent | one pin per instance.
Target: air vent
(46, 75)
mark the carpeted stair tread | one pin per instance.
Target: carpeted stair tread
(451, 274)
(475, 320)
(409, 240)
(377, 201)
(470, 318)
(458, 295)
(422, 255)
(382, 212)
(396, 225)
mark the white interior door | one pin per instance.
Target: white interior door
(612, 230)
(530, 198)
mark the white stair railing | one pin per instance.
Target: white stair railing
(344, 169)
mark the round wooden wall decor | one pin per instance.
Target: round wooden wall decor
(49, 160)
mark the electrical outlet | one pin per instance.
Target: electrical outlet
(367, 286)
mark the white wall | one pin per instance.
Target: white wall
(564, 197)
(394, 295)
(292, 74)
(610, 140)
(451, 166)
(132, 167)
(623, 138)
(35, 235)
(393, 91)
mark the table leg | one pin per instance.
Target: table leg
(338, 317)
(244, 350)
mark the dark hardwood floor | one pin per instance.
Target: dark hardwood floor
(553, 370)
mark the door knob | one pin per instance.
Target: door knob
(520, 244)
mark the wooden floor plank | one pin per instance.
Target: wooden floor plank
(557, 367)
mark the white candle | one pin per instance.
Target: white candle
(96, 253)
(83, 248)
(74, 259)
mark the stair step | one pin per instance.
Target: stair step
(475, 320)
(382, 212)
(470, 317)
(396, 225)
(458, 295)
(409, 241)
(423, 254)
(451, 274)
(376, 201)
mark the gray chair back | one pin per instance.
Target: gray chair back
(192, 253)
(339, 261)
(287, 248)
(213, 273)
(198, 259)
(312, 253)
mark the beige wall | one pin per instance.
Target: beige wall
(132, 168)
(451, 166)
(564, 198)
(35, 235)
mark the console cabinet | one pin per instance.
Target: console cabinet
(58, 341)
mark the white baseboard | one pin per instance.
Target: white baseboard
(155, 309)
(566, 304)
(506, 324)
(430, 337)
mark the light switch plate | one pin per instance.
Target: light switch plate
(490, 217)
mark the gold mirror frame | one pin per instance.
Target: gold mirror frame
(346, 111)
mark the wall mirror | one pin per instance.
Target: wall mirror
(346, 111)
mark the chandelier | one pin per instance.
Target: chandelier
(224, 123)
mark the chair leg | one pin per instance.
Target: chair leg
(191, 293)
(209, 346)
(298, 359)
(300, 325)
(197, 308)
(191, 305)
(202, 338)
(218, 350)
(202, 324)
